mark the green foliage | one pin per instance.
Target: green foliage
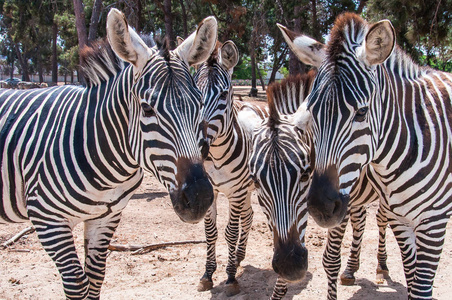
(424, 28)
(284, 71)
(243, 68)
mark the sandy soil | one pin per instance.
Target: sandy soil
(173, 273)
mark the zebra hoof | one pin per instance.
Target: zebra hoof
(232, 288)
(205, 285)
(347, 279)
(383, 269)
(238, 261)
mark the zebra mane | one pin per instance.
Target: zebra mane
(163, 45)
(99, 62)
(348, 33)
(213, 58)
(286, 96)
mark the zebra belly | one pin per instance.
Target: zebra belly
(415, 206)
(44, 203)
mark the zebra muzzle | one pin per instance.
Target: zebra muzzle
(195, 193)
(326, 204)
(290, 257)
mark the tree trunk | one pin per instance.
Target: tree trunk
(23, 63)
(54, 55)
(94, 23)
(12, 69)
(361, 6)
(295, 66)
(139, 18)
(277, 62)
(315, 24)
(169, 23)
(253, 91)
(260, 77)
(81, 30)
(12, 64)
(184, 18)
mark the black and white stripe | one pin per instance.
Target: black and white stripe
(72, 154)
(372, 106)
(280, 168)
(226, 162)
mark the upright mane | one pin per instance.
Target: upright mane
(348, 33)
(99, 62)
(213, 58)
(286, 96)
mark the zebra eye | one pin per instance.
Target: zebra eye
(148, 111)
(306, 175)
(224, 95)
(361, 114)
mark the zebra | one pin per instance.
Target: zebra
(279, 164)
(361, 194)
(371, 105)
(73, 154)
(226, 156)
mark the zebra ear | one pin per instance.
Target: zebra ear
(229, 55)
(379, 43)
(249, 121)
(308, 50)
(124, 41)
(302, 117)
(200, 44)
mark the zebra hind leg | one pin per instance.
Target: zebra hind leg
(210, 227)
(430, 236)
(358, 222)
(246, 220)
(58, 242)
(98, 234)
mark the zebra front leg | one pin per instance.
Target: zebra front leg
(232, 236)
(210, 227)
(246, 220)
(382, 268)
(332, 257)
(57, 240)
(98, 234)
(280, 289)
(358, 222)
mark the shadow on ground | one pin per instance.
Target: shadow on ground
(149, 196)
(258, 283)
(370, 290)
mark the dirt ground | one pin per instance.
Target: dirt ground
(173, 272)
(26, 272)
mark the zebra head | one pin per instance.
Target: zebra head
(279, 165)
(164, 114)
(213, 78)
(346, 104)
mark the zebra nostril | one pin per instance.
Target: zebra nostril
(204, 148)
(337, 206)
